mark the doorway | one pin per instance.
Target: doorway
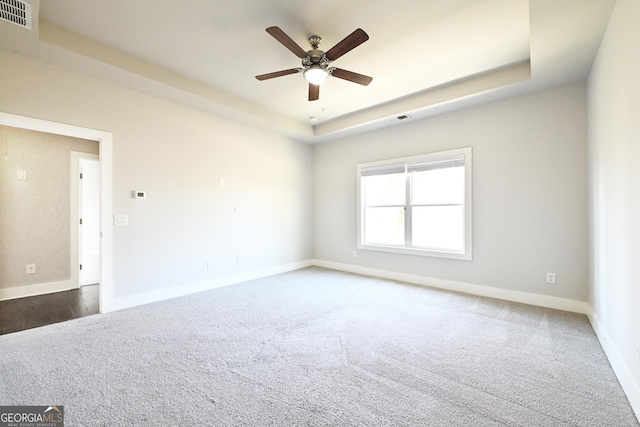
(47, 302)
(105, 141)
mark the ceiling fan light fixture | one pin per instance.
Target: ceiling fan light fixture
(315, 74)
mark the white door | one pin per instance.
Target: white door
(89, 222)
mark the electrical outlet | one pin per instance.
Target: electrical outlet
(551, 278)
(31, 268)
(355, 254)
(209, 265)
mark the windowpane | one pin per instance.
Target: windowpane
(438, 186)
(384, 226)
(418, 205)
(385, 190)
(438, 227)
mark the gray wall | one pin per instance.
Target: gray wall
(177, 155)
(614, 142)
(34, 214)
(529, 192)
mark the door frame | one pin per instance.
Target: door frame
(105, 142)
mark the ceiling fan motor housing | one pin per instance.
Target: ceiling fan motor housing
(315, 55)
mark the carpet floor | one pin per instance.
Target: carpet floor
(317, 347)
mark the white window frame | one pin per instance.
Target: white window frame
(466, 253)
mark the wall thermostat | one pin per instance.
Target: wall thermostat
(139, 194)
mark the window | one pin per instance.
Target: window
(418, 205)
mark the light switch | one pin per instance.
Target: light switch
(121, 219)
(22, 175)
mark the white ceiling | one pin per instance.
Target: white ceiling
(425, 56)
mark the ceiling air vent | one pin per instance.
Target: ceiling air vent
(399, 118)
(17, 12)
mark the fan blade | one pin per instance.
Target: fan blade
(280, 35)
(350, 42)
(351, 76)
(314, 92)
(278, 74)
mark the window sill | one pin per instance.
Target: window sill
(466, 256)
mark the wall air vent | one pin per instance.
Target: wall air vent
(17, 12)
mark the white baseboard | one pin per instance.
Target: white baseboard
(629, 385)
(468, 288)
(114, 304)
(37, 289)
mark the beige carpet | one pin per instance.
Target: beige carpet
(318, 347)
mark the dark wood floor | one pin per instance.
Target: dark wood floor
(32, 312)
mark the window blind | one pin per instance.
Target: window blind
(384, 170)
(441, 164)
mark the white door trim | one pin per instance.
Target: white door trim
(105, 140)
(75, 213)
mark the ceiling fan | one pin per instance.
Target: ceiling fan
(315, 63)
